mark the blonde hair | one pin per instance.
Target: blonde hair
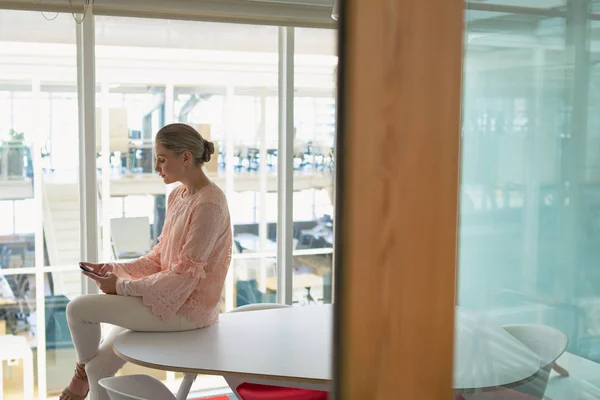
(181, 137)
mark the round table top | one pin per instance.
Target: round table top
(291, 344)
(487, 356)
(295, 344)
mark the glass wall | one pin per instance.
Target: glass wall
(188, 77)
(18, 310)
(529, 216)
(314, 159)
(220, 78)
(39, 193)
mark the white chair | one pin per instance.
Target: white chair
(549, 344)
(259, 306)
(136, 387)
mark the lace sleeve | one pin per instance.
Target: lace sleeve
(206, 225)
(146, 265)
(166, 291)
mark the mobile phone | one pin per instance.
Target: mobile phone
(86, 269)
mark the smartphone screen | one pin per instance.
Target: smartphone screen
(83, 267)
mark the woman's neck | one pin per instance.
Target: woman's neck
(196, 182)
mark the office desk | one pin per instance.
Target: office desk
(251, 243)
(7, 302)
(17, 348)
(299, 281)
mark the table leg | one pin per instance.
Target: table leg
(186, 385)
(28, 376)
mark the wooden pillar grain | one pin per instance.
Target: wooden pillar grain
(398, 153)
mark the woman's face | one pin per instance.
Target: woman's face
(170, 167)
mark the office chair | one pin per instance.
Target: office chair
(549, 344)
(19, 313)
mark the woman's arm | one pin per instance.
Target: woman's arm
(146, 265)
(166, 292)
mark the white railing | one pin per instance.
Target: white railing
(48, 227)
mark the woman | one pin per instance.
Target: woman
(175, 287)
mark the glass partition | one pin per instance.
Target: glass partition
(529, 222)
(314, 164)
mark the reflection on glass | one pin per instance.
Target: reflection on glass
(149, 75)
(61, 287)
(38, 140)
(314, 163)
(255, 280)
(17, 317)
(529, 216)
(312, 279)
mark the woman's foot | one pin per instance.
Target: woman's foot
(79, 386)
(561, 371)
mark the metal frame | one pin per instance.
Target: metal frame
(88, 185)
(317, 15)
(39, 238)
(285, 176)
(262, 194)
(229, 190)
(105, 148)
(169, 119)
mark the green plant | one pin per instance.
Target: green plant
(13, 150)
(16, 136)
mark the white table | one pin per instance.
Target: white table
(15, 348)
(294, 345)
(290, 345)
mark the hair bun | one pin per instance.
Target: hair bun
(209, 150)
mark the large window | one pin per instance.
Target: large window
(222, 79)
(529, 217)
(197, 81)
(39, 193)
(314, 156)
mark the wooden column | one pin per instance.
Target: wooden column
(398, 147)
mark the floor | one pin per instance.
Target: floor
(583, 382)
(13, 382)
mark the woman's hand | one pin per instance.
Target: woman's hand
(100, 269)
(106, 283)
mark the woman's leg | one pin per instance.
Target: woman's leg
(86, 313)
(106, 363)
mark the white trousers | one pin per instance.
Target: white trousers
(86, 313)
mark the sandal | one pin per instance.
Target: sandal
(560, 370)
(79, 374)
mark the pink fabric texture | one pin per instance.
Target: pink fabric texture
(185, 272)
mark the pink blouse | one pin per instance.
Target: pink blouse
(185, 272)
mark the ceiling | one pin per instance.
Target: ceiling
(34, 27)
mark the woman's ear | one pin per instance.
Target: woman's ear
(187, 158)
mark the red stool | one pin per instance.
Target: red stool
(497, 395)
(254, 391)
